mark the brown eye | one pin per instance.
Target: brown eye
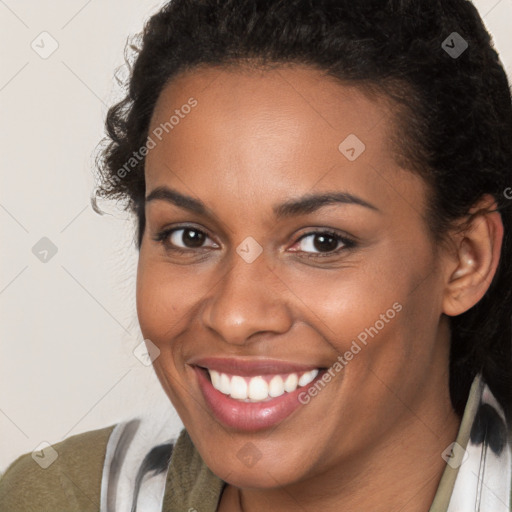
(184, 238)
(321, 242)
(325, 243)
(191, 238)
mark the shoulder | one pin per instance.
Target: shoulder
(71, 482)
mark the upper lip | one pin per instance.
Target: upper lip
(251, 367)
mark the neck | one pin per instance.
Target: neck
(402, 473)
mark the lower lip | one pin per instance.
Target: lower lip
(248, 416)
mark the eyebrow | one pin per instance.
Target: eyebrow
(309, 203)
(178, 199)
(303, 205)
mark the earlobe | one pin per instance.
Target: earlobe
(477, 257)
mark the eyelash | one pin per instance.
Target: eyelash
(163, 238)
(347, 243)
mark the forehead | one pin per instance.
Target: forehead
(272, 132)
(301, 95)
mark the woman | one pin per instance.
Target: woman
(324, 278)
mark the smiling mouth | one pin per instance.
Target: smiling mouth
(260, 388)
(253, 395)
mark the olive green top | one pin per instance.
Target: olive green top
(72, 483)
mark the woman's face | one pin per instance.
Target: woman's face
(282, 238)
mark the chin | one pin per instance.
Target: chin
(270, 475)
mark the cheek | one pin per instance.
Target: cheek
(170, 297)
(382, 302)
(152, 309)
(165, 297)
(347, 300)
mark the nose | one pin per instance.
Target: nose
(247, 302)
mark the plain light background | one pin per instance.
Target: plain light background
(68, 324)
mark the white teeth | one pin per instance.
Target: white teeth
(224, 385)
(276, 387)
(238, 388)
(290, 384)
(308, 377)
(257, 388)
(215, 376)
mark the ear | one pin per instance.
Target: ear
(476, 258)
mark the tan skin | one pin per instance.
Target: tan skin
(373, 438)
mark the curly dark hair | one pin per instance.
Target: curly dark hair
(453, 126)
